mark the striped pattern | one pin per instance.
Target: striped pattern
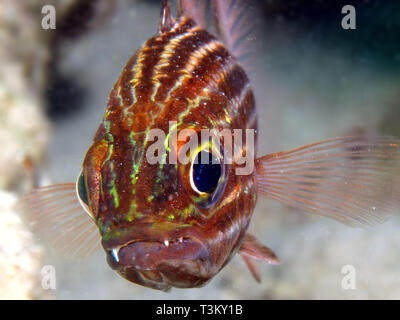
(188, 76)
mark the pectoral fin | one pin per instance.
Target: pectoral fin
(55, 214)
(354, 180)
(252, 249)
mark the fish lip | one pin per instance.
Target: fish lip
(182, 263)
(140, 250)
(185, 252)
(161, 255)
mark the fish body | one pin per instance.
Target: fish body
(177, 224)
(150, 213)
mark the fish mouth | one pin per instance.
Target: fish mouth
(180, 258)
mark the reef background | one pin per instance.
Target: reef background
(312, 81)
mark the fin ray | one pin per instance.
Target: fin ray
(55, 214)
(354, 180)
(252, 266)
(252, 250)
(235, 24)
(195, 9)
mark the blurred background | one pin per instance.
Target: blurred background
(312, 80)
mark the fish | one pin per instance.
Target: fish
(175, 223)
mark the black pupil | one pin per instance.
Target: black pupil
(82, 189)
(206, 172)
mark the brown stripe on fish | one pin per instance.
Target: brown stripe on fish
(187, 72)
(132, 70)
(199, 86)
(149, 57)
(121, 95)
(136, 80)
(201, 69)
(233, 83)
(196, 77)
(175, 58)
(246, 107)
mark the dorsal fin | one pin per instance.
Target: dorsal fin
(235, 23)
(166, 19)
(195, 9)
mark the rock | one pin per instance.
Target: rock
(20, 256)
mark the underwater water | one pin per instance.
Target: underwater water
(312, 80)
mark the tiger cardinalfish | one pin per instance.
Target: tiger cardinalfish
(166, 225)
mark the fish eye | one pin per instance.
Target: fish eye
(81, 188)
(205, 173)
(81, 192)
